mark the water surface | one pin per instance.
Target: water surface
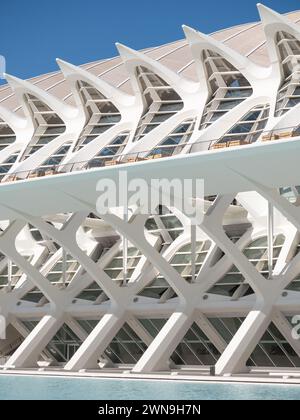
(53, 388)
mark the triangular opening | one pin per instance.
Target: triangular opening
(273, 350)
(13, 339)
(227, 87)
(10, 273)
(122, 270)
(111, 153)
(233, 283)
(164, 224)
(289, 92)
(101, 113)
(7, 137)
(62, 346)
(48, 125)
(161, 102)
(249, 128)
(126, 347)
(195, 349)
(92, 293)
(174, 143)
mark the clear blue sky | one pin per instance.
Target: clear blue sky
(34, 32)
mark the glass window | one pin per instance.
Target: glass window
(233, 284)
(101, 113)
(250, 127)
(174, 143)
(161, 102)
(45, 120)
(289, 52)
(224, 81)
(126, 347)
(195, 349)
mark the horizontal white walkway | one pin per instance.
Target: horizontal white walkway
(225, 171)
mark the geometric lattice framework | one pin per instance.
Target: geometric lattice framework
(228, 87)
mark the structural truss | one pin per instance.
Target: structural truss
(83, 290)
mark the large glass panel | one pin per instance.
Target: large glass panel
(126, 347)
(294, 286)
(48, 125)
(93, 293)
(7, 164)
(234, 284)
(7, 135)
(115, 268)
(289, 91)
(176, 140)
(101, 114)
(10, 273)
(63, 271)
(250, 127)
(56, 157)
(153, 325)
(165, 225)
(62, 346)
(160, 289)
(182, 260)
(112, 151)
(274, 350)
(195, 349)
(227, 87)
(161, 102)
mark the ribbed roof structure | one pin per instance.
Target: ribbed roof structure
(247, 39)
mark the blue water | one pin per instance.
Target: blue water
(51, 388)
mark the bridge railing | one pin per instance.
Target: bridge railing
(157, 152)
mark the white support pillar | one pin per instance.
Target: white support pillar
(234, 358)
(28, 352)
(82, 334)
(96, 343)
(156, 357)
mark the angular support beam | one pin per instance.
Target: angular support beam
(96, 343)
(234, 358)
(76, 328)
(211, 333)
(140, 330)
(26, 356)
(156, 357)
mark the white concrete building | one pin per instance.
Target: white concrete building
(83, 290)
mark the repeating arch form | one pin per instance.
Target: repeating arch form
(102, 114)
(289, 91)
(160, 101)
(85, 289)
(227, 87)
(12, 128)
(250, 127)
(7, 135)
